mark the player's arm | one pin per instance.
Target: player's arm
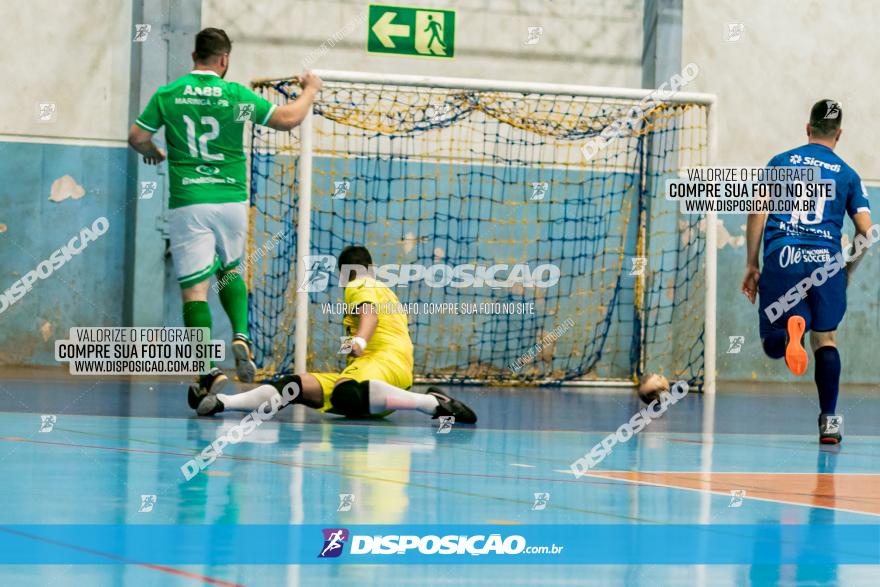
(290, 116)
(141, 140)
(859, 210)
(140, 136)
(862, 222)
(754, 235)
(369, 319)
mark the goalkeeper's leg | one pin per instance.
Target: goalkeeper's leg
(296, 389)
(347, 397)
(378, 398)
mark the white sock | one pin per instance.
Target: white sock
(250, 400)
(384, 396)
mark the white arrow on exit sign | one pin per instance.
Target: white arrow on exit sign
(384, 30)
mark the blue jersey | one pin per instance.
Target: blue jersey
(823, 226)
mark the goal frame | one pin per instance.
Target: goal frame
(304, 207)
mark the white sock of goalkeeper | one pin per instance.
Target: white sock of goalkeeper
(384, 396)
(250, 400)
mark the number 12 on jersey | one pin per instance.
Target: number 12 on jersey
(200, 149)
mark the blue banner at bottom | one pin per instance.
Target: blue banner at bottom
(758, 544)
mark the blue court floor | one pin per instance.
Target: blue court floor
(108, 443)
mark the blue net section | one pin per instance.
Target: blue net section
(441, 178)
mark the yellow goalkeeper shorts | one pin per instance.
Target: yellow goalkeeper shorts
(383, 366)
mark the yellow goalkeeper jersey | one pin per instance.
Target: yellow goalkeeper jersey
(392, 331)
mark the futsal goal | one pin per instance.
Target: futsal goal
(435, 171)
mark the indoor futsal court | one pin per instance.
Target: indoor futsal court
(117, 442)
(451, 292)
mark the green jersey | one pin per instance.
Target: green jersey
(204, 116)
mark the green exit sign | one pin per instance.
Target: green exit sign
(400, 30)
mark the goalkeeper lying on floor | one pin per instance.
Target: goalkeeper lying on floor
(378, 375)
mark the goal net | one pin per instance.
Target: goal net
(465, 172)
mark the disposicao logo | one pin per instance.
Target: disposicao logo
(334, 539)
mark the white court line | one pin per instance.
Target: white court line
(747, 498)
(722, 473)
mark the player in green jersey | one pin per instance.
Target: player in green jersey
(204, 117)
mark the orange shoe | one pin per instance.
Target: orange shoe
(795, 355)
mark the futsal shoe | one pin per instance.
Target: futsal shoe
(213, 381)
(210, 405)
(194, 395)
(452, 407)
(795, 354)
(830, 429)
(245, 367)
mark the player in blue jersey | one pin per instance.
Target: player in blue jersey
(795, 246)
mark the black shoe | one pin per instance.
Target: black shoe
(194, 395)
(245, 367)
(210, 405)
(830, 429)
(452, 407)
(213, 381)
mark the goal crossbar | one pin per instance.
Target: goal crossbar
(463, 83)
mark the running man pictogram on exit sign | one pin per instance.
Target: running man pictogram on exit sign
(411, 31)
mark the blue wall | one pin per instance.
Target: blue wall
(87, 290)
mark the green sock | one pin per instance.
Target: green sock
(233, 296)
(197, 315)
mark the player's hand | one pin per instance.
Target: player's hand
(310, 80)
(750, 283)
(155, 158)
(358, 345)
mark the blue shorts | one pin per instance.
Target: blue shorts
(824, 305)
